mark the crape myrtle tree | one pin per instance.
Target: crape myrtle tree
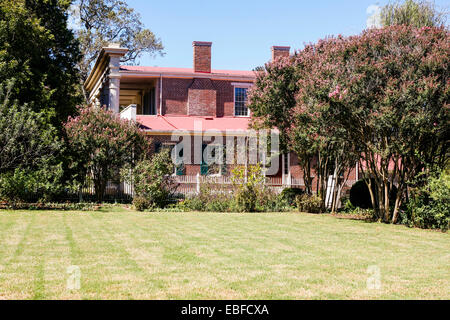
(306, 129)
(388, 89)
(380, 97)
(272, 100)
(314, 130)
(103, 144)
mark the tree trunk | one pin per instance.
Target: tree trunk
(387, 211)
(372, 197)
(398, 203)
(335, 186)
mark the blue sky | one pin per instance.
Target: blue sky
(243, 31)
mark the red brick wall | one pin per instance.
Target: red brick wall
(198, 97)
(175, 95)
(202, 98)
(225, 98)
(202, 57)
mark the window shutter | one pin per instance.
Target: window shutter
(204, 165)
(158, 146)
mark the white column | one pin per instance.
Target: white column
(114, 94)
(114, 82)
(198, 183)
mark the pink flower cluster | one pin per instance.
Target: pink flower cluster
(337, 93)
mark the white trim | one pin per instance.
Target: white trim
(288, 162)
(160, 95)
(242, 84)
(243, 133)
(127, 74)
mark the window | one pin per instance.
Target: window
(240, 102)
(213, 160)
(204, 166)
(179, 168)
(158, 147)
(286, 161)
(149, 107)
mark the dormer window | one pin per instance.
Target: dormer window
(240, 101)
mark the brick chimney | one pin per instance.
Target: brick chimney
(278, 51)
(202, 56)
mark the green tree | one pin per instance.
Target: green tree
(39, 51)
(103, 144)
(28, 150)
(100, 22)
(416, 13)
(430, 204)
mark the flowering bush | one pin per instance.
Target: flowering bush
(103, 144)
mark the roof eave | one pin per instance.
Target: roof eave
(187, 75)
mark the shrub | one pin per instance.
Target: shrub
(347, 205)
(249, 187)
(289, 194)
(360, 195)
(220, 205)
(249, 194)
(83, 206)
(430, 205)
(269, 201)
(141, 203)
(152, 180)
(30, 151)
(22, 185)
(192, 204)
(246, 199)
(309, 203)
(16, 186)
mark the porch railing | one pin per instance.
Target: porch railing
(191, 184)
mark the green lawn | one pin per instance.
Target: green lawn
(128, 255)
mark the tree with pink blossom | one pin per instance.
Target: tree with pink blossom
(103, 144)
(382, 95)
(389, 90)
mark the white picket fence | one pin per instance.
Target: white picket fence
(270, 181)
(189, 185)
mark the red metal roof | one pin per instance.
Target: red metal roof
(193, 124)
(190, 71)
